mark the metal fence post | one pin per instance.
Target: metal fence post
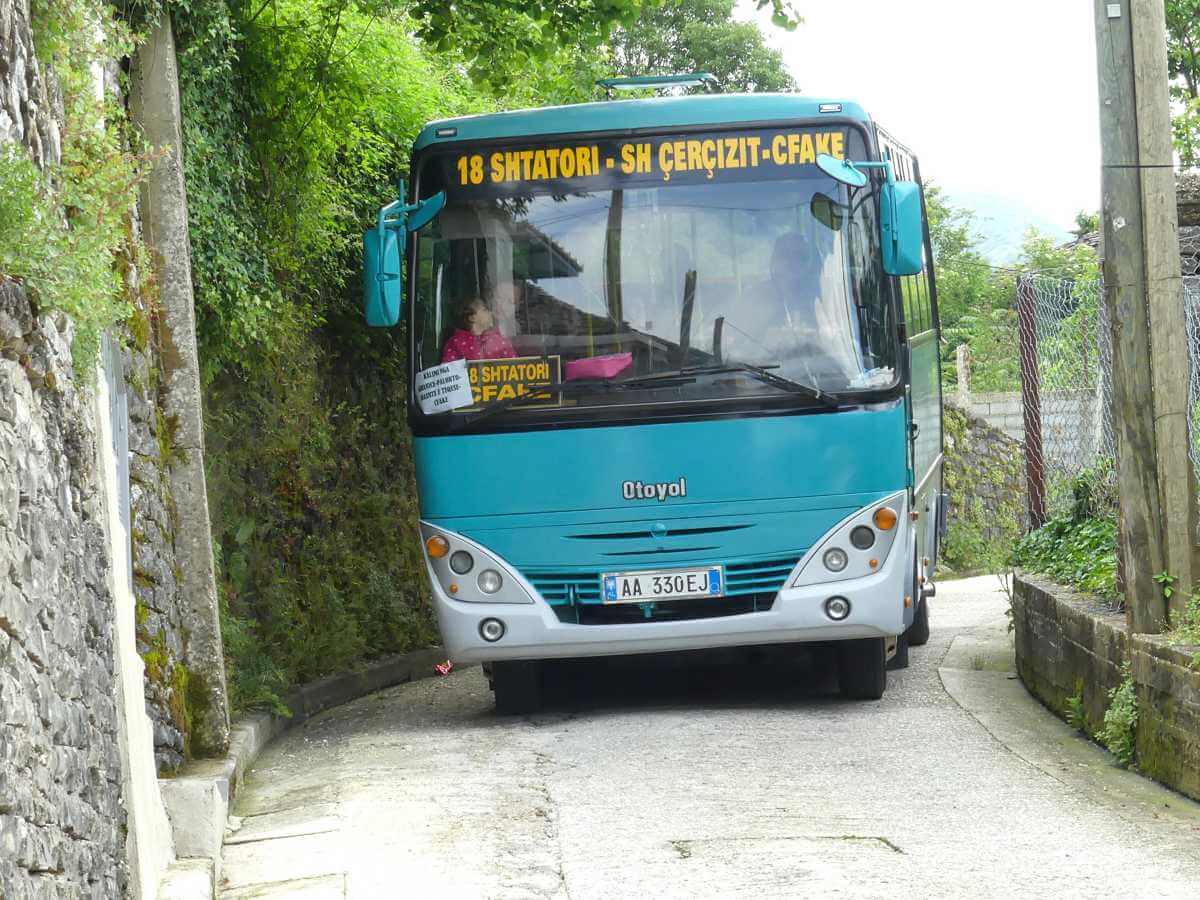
(1031, 402)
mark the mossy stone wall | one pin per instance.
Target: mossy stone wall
(985, 476)
(1070, 645)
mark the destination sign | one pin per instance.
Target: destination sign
(495, 380)
(663, 159)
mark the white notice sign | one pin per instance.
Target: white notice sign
(444, 388)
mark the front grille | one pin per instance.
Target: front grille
(749, 587)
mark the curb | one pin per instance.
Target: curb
(198, 798)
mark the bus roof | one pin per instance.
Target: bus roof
(631, 115)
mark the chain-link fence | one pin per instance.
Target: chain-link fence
(1066, 384)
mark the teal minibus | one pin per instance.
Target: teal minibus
(674, 382)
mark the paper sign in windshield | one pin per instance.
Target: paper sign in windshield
(444, 388)
(535, 377)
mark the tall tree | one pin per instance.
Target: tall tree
(700, 36)
(1183, 67)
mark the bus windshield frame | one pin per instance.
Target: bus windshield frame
(700, 364)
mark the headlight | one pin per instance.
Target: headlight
(489, 581)
(862, 537)
(856, 547)
(461, 562)
(835, 559)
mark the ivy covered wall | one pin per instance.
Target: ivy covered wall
(985, 475)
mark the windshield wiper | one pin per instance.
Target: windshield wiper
(566, 388)
(762, 373)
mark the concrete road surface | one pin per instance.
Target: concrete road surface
(735, 776)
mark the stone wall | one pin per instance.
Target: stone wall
(1071, 645)
(1071, 422)
(29, 100)
(160, 621)
(984, 473)
(62, 823)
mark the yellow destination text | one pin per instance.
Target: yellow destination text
(656, 158)
(503, 379)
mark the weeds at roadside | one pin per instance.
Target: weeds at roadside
(1120, 721)
(1076, 717)
(1185, 631)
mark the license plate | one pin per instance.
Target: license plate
(672, 584)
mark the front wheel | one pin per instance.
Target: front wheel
(862, 668)
(517, 685)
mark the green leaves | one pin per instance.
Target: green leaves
(1120, 721)
(700, 36)
(1081, 554)
(1183, 68)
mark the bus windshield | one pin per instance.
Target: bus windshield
(748, 282)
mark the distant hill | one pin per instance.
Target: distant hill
(1001, 221)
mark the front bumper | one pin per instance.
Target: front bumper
(533, 631)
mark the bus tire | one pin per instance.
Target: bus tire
(899, 659)
(918, 631)
(862, 668)
(517, 685)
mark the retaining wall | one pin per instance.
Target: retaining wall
(985, 475)
(1071, 645)
(62, 820)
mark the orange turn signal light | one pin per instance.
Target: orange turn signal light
(437, 546)
(885, 518)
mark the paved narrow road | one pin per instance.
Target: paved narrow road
(736, 777)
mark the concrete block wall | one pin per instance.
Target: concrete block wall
(1072, 431)
(1071, 645)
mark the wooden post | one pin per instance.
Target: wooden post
(962, 365)
(1142, 294)
(1169, 368)
(1031, 402)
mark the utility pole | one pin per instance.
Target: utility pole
(1144, 300)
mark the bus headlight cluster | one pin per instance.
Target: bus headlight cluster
(469, 573)
(857, 547)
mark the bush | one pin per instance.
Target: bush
(1081, 554)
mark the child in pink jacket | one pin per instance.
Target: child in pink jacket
(476, 336)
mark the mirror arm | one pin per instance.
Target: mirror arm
(394, 217)
(886, 165)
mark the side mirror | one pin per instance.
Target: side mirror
(383, 248)
(901, 221)
(381, 276)
(902, 227)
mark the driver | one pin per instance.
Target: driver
(801, 328)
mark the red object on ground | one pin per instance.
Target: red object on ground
(444, 668)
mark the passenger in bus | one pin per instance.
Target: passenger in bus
(475, 335)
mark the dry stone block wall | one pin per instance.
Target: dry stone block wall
(984, 473)
(160, 622)
(62, 824)
(1073, 649)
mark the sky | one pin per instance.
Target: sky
(998, 100)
